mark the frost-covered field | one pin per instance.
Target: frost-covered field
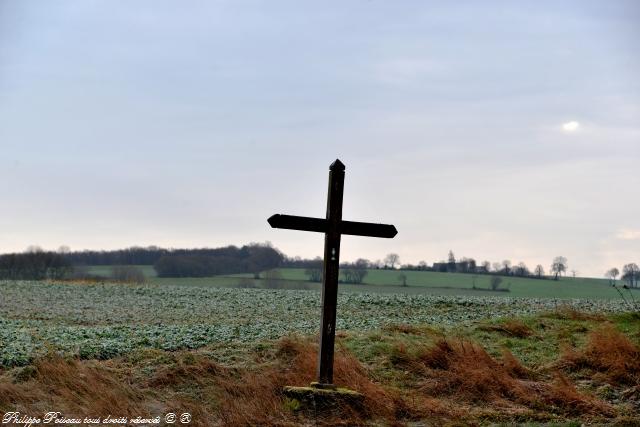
(102, 321)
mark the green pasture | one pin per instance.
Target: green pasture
(105, 270)
(418, 282)
(462, 284)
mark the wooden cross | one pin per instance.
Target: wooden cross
(333, 227)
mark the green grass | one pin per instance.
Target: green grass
(418, 282)
(461, 284)
(105, 270)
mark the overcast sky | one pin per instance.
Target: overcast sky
(499, 130)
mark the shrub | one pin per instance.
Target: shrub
(495, 283)
(127, 274)
(272, 279)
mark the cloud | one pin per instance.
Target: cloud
(571, 126)
(627, 234)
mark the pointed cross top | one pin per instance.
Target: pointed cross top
(337, 166)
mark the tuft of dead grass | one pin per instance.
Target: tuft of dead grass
(75, 387)
(609, 352)
(514, 367)
(464, 371)
(563, 394)
(512, 327)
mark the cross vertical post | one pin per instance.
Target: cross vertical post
(330, 273)
(333, 227)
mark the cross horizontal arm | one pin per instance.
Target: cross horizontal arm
(304, 223)
(368, 229)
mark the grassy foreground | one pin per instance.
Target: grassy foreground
(559, 368)
(223, 355)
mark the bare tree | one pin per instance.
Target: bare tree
(391, 260)
(314, 274)
(403, 279)
(559, 266)
(631, 273)
(521, 270)
(495, 283)
(465, 265)
(314, 271)
(486, 265)
(539, 270)
(355, 272)
(611, 275)
(496, 267)
(506, 267)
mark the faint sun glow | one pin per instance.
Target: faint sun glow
(628, 234)
(570, 126)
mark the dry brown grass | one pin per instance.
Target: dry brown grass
(514, 367)
(451, 379)
(254, 397)
(563, 394)
(512, 327)
(608, 352)
(195, 371)
(464, 371)
(75, 387)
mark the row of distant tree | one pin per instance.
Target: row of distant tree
(630, 275)
(252, 258)
(356, 271)
(559, 267)
(350, 272)
(36, 264)
(150, 255)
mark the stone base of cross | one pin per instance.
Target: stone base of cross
(333, 227)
